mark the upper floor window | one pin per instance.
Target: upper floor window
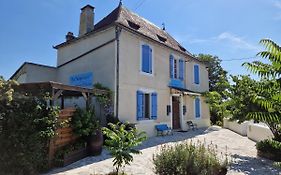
(196, 74)
(176, 68)
(146, 59)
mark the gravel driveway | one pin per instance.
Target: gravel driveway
(241, 149)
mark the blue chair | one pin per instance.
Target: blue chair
(163, 129)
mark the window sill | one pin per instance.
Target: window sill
(147, 74)
(145, 121)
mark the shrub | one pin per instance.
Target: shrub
(27, 123)
(270, 149)
(189, 158)
(84, 122)
(121, 143)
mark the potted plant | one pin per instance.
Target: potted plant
(85, 124)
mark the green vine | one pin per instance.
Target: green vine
(105, 98)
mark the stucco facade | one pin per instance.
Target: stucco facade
(111, 54)
(133, 79)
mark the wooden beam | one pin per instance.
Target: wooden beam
(85, 96)
(57, 94)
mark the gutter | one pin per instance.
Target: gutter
(117, 35)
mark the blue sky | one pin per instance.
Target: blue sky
(229, 29)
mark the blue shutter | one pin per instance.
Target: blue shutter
(154, 106)
(150, 60)
(196, 74)
(171, 66)
(140, 105)
(197, 108)
(181, 69)
(145, 58)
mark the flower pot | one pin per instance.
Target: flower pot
(94, 143)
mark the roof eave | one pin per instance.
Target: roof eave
(134, 31)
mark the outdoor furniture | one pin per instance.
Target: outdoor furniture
(191, 125)
(163, 129)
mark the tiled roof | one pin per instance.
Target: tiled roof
(125, 17)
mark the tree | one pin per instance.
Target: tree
(217, 75)
(121, 143)
(218, 107)
(241, 93)
(218, 84)
(271, 102)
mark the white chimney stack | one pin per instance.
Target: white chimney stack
(86, 20)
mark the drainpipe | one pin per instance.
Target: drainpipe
(117, 35)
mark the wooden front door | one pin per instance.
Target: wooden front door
(176, 113)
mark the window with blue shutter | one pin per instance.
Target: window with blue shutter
(197, 108)
(196, 74)
(181, 69)
(171, 66)
(154, 106)
(150, 60)
(146, 59)
(140, 105)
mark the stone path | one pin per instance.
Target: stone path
(242, 149)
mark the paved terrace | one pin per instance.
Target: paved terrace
(242, 150)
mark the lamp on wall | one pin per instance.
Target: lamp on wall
(168, 109)
(184, 109)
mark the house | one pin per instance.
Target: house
(153, 78)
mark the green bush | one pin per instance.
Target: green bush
(26, 125)
(190, 158)
(84, 122)
(270, 149)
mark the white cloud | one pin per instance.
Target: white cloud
(236, 41)
(277, 3)
(226, 38)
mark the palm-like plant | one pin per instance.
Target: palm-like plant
(270, 101)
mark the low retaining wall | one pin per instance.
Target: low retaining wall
(254, 131)
(258, 132)
(236, 127)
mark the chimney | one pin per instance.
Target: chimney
(69, 36)
(86, 20)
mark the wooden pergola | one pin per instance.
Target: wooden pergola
(59, 90)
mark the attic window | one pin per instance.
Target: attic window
(182, 49)
(161, 38)
(133, 25)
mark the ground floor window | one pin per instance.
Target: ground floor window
(197, 106)
(146, 105)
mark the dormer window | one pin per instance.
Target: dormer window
(161, 38)
(133, 25)
(182, 49)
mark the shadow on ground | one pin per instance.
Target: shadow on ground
(151, 142)
(253, 166)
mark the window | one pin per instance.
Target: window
(161, 38)
(177, 68)
(197, 107)
(181, 69)
(146, 106)
(146, 60)
(133, 25)
(182, 48)
(196, 74)
(171, 66)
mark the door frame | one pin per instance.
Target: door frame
(180, 110)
